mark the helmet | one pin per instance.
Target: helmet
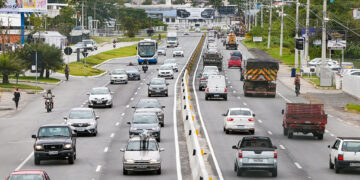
(49, 90)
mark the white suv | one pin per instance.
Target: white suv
(216, 87)
(345, 153)
(239, 119)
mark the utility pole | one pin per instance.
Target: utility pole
(296, 34)
(262, 15)
(282, 28)
(256, 12)
(306, 53)
(269, 35)
(323, 82)
(82, 15)
(246, 16)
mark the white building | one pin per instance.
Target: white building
(52, 38)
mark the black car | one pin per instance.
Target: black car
(133, 73)
(182, 13)
(54, 142)
(158, 86)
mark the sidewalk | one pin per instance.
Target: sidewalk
(7, 105)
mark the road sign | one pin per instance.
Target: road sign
(68, 50)
(85, 54)
(299, 43)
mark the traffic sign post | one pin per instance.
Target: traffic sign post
(68, 52)
(85, 54)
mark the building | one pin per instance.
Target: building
(54, 7)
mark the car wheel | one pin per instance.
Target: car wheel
(290, 135)
(206, 97)
(166, 94)
(36, 161)
(173, 55)
(285, 131)
(125, 172)
(149, 95)
(71, 160)
(224, 129)
(252, 131)
(158, 139)
(320, 136)
(126, 82)
(227, 131)
(162, 124)
(158, 171)
(331, 165)
(95, 133)
(111, 82)
(89, 106)
(225, 98)
(200, 89)
(235, 167)
(238, 171)
(110, 106)
(274, 172)
(337, 168)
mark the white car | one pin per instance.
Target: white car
(317, 62)
(344, 153)
(118, 76)
(197, 30)
(239, 119)
(210, 68)
(100, 96)
(161, 51)
(90, 44)
(172, 63)
(166, 71)
(178, 52)
(216, 87)
(186, 32)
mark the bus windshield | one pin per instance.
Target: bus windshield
(146, 50)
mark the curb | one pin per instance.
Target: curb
(46, 83)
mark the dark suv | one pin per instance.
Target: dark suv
(54, 142)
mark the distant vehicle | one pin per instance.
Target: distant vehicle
(172, 39)
(356, 73)
(82, 120)
(197, 29)
(161, 51)
(54, 142)
(204, 78)
(145, 121)
(28, 175)
(210, 68)
(133, 73)
(146, 50)
(158, 86)
(141, 154)
(118, 76)
(151, 105)
(347, 65)
(236, 53)
(317, 61)
(348, 71)
(178, 52)
(260, 77)
(304, 118)
(212, 45)
(216, 87)
(234, 61)
(186, 32)
(239, 119)
(344, 154)
(172, 63)
(166, 71)
(230, 42)
(90, 44)
(255, 150)
(101, 97)
(213, 58)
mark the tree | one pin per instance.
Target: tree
(130, 25)
(215, 3)
(64, 22)
(9, 64)
(2, 3)
(194, 3)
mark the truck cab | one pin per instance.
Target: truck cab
(172, 40)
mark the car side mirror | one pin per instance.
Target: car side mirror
(161, 149)
(162, 106)
(148, 84)
(65, 118)
(33, 136)
(167, 84)
(97, 117)
(224, 114)
(282, 111)
(133, 107)
(122, 150)
(253, 115)
(234, 147)
(128, 122)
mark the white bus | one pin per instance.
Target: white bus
(147, 51)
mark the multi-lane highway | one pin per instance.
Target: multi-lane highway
(302, 157)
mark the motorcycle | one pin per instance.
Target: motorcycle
(48, 104)
(145, 68)
(114, 45)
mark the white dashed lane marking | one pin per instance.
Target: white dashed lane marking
(127, 106)
(260, 121)
(112, 135)
(123, 114)
(98, 168)
(106, 149)
(269, 132)
(282, 146)
(117, 123)
(298, 165)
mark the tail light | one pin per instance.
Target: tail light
(322, 125)
(240, 155)
(207, 89)
(275, 154)
(230, 119)
(202, 79)
(251, 120)
(225, 89)
(340, 157)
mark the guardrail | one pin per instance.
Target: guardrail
(196, 153)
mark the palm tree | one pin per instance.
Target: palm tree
(9, 64)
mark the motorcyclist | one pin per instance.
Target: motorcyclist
(131, 64)
(50, 96)
(145, 66)
(67, 71)
(297, 84)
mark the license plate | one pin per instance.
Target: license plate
(53, 152)
(216, 95)
(141, 166)
(130, 76)
(158, 91)
(99, 101)
(354, 164)
(258, 160)
(80, 129)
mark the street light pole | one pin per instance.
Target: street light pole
(323, 48)
(262, 15)
(307, 31)
(296, 33)
(256, 13)
(82, 15)
(282, 28)
(269, 34)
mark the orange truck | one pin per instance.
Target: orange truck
(304, 118)
(231, 41)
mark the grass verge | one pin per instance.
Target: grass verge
(353, 107)
(101, 39)
(33, 79)
(78, 69)
(316, 80)
(133, 39)
(20, 86)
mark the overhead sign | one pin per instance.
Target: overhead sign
(257, 39)
(195, 13)
(25, 6)
(336, 40)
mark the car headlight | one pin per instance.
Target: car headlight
(154, 161)
(130, 161)
(69, 123)
(92, 123)
(134, 128)
(154, 128)
(39, 147)
(67, 146)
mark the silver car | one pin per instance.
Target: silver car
(161, 51)
(178, 52)
(145, 121)
(151, 105)
(82, 120)
(172, 63)
(141, 154)
(100, 96)
(118, 76)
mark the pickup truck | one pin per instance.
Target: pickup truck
(255, 153)
(304, 118)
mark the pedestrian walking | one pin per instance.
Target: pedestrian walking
(16, 97)
(67, 71)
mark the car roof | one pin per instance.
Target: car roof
(100, 88)
(81, 108)
(154, 78)
(148, 100)
(55, 125)
(29, 171)
(144, 113)
(349, 138)
(137, 138)
(256, 137)
(232, 109)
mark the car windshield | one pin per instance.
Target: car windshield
(210, 68)
(99, 91)
(171, 38)
(148, 104)
(157, 81)
(178, 49)
(54, 131)
(81, 114)
(87, 42)
(146, 49)
(26, 177)
(240, 112)
(118, 72)
(131, 68)
(169, 61)
(144, 119)
(351, 146)
(165, 68)
(256, 143)
(142, 146)
(235, 58)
